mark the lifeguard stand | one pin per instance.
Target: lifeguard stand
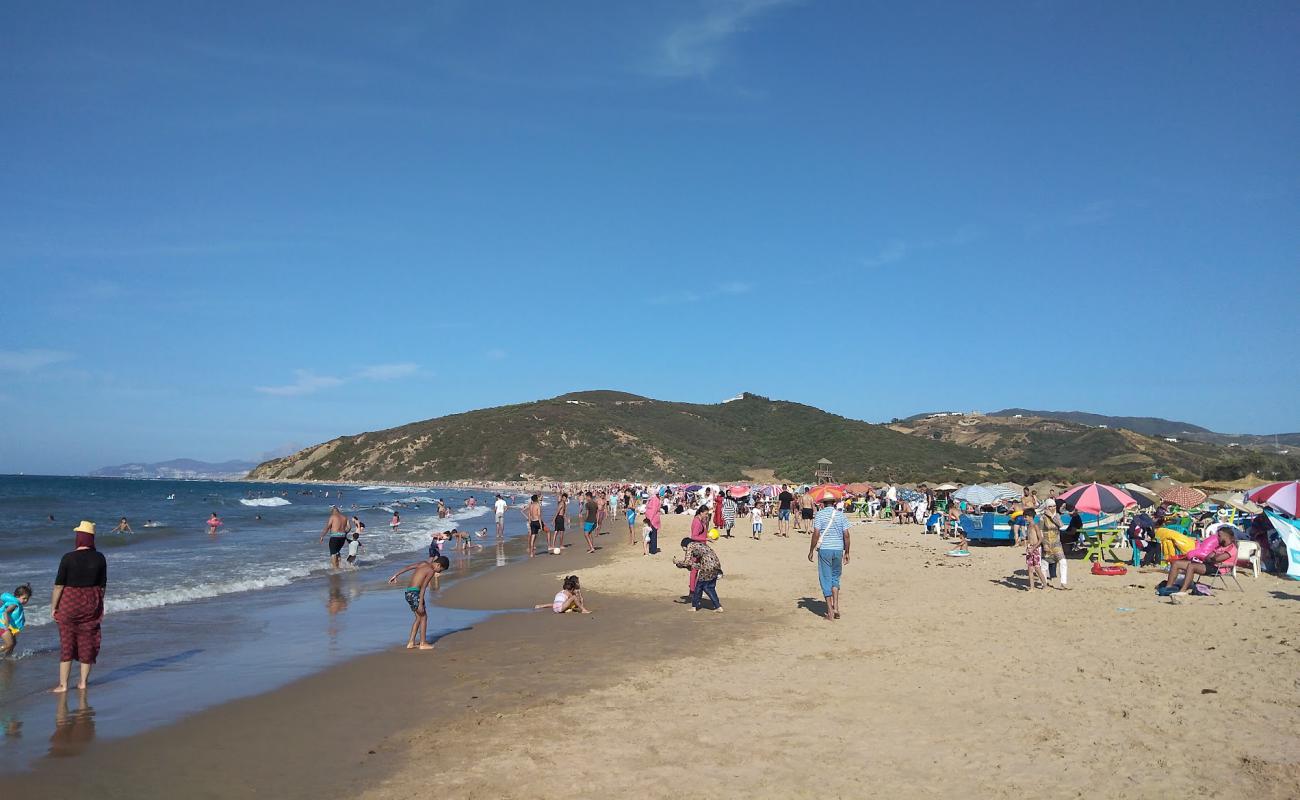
(823, 473)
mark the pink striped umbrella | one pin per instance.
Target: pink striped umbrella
(1097, 498)
(1280, 496)
(739, 490)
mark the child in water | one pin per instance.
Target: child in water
(569, 598)
(12, 617)
(354, 546)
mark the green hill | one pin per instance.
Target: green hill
(614, 435)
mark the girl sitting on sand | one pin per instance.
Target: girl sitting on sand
(568, 598)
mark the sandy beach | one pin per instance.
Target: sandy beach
(943, 679)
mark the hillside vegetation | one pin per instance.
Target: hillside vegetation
(615, 435)
(606, 434)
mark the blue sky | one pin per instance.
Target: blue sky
(234, 229)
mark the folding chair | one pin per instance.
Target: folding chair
(1230, 572)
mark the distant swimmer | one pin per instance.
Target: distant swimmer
(395, 521)
(442, 509)
(151, 524)
(123, 526)
(49, 518)
(423, 573)
(471, 502)
(214, 522)
(336, 527)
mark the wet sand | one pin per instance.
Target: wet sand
(944, 679)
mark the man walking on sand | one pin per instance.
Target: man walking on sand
(423, 573)
(336, 527)
(533, 513)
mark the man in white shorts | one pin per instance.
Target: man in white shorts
(500, 507)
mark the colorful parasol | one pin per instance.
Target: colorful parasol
(826, 492)
(739, 490)
(1184, 496)
(1278, 496)
(1097, 498)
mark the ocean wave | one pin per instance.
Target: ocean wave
(264, 502)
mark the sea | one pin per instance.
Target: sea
(194, 618)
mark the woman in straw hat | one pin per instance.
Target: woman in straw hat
(78, 605)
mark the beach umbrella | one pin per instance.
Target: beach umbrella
(739, 490)
(1137, 491)
(1007, 491)
(826, 491)
(858, 488)
(1184, 496)
(946, 487)
(1097, 498)
(770, 491)
(1236, 500)
(694, 487)
(1279, 496)
(976, 495)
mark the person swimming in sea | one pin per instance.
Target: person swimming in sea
(122, 526)
(214, 522)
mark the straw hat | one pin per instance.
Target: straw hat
(86, 526)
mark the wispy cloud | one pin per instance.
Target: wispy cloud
(899, 249)
(305, 382)
(730, 289)
(387, 372)
(1094, 213)
(694, 48)
(890, 253)
(497, 354)
(31, 360)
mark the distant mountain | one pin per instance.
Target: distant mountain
(615, 435)
(1163, 428)
(1149, 426)
(179, 469)
(1030, 447)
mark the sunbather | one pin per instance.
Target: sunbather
(1210, 555)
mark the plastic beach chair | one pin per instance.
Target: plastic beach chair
(1224, 574)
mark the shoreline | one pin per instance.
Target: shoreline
(945, 679)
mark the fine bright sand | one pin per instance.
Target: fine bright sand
(944, 678)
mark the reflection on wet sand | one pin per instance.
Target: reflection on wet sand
(501, 553)
(73, 730)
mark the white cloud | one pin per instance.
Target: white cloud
(695, 47)
(305, 382)
(387, 372)
(31, 360)
(894, 251)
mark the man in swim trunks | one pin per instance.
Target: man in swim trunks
(533, 513)
(590, 515)
(560, 523)
(336, 527)
(122, 527)
(423, 573)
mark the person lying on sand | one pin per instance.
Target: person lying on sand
(423, 573)
(569, 598)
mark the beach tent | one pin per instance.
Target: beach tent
(1289, 530)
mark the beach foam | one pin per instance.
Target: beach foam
(264, 502)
